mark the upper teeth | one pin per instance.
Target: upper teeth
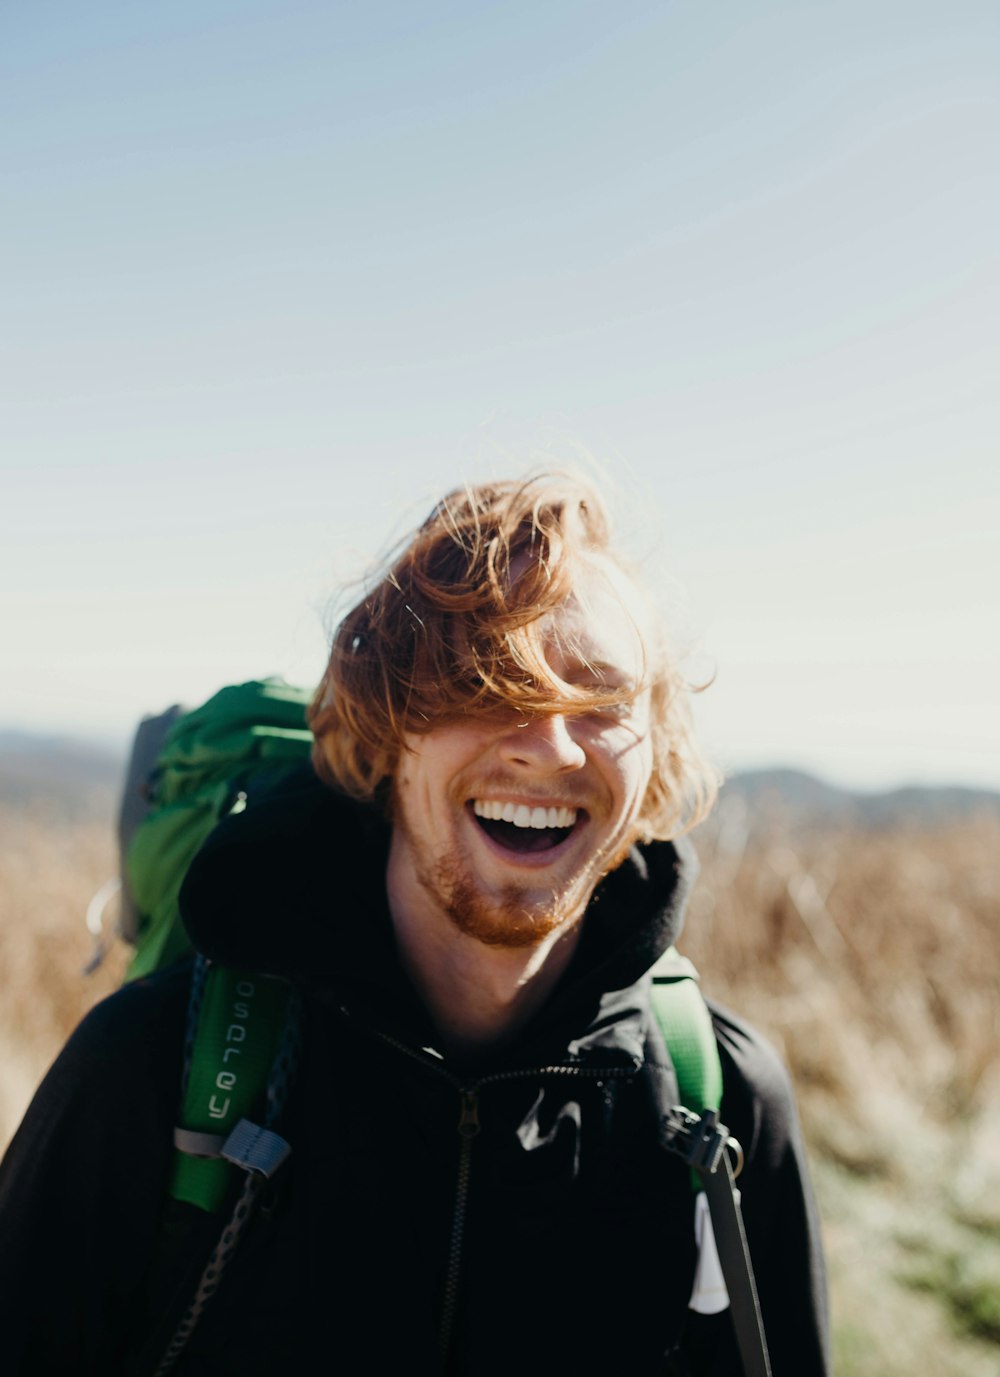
(523, 816)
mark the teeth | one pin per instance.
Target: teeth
(523, 816)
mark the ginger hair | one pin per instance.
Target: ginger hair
(452, 626)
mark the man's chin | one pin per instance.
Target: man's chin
(513, 916)
(508, 920)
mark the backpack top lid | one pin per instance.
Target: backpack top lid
(187, 771)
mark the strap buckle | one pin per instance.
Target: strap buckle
(702, 1140)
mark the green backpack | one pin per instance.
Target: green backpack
(189, 770)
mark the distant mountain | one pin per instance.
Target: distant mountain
(59, 775)
(796, 799)
(72, 778)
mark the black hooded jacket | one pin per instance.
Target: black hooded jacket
(559, 1237)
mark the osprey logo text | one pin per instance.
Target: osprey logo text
(235, 1034)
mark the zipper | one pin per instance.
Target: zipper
(468, 1130)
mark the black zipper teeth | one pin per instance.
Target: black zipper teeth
(468, 1129)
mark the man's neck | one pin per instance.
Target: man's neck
(478, 995)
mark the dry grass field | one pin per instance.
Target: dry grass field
(869, 958)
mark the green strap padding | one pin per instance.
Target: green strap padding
(686, 1025)
(239, 1032)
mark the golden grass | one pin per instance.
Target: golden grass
(48, 871)
(869, 958)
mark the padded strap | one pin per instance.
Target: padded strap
(683, 1016)
(237, 1024)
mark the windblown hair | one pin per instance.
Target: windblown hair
(454, 626)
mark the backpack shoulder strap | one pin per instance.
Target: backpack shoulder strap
(737, 1268)
(238, 1059)
(686, 1025)
(241, 1052)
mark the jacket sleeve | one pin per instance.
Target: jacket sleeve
(82, 1184)
(779, 1210)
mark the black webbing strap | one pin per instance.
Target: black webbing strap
(737, 1269)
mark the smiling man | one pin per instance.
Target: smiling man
(468, 892)
(505, 671)
(505, 820)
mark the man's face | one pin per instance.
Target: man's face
(506, 824)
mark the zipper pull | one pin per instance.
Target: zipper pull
(468, 1120)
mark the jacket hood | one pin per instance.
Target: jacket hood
(294, 886)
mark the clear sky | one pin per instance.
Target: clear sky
(275, 275)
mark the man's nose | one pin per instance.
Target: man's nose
(545, 742)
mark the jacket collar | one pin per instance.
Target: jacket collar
(295, 886)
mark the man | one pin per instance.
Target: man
(469, 903)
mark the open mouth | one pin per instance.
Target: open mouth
(521, 829)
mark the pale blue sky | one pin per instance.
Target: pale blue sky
(277, 274)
